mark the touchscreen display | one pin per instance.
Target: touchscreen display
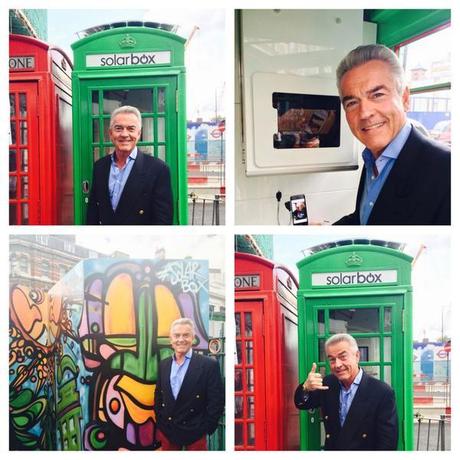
(306, 121)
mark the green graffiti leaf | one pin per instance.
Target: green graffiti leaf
(21, 399)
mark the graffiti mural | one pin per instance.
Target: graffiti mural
(84, 356)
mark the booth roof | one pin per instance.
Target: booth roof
(114, 25)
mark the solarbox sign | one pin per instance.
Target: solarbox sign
(129, 59)
(354, 278)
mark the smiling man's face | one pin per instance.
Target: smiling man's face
(125, 132)
(374, 108)
(344, 362)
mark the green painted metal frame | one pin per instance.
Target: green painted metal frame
(85, 80)
(396, 26)
(397, 296)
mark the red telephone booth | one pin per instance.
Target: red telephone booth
(40, 164)
(266, 366)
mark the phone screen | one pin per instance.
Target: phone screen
(299, 210)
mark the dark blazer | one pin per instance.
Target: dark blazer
(371, 422)
(199, 404)
(417, 190)
(146, 198)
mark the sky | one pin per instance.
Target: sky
(203, 56)
(431, 277)
(207, 247)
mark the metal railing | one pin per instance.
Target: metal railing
(432, 431)
(205, 211)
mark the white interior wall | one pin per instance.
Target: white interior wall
(330, 195)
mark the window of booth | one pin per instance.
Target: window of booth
(427, 63)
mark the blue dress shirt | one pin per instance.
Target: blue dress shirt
(178, 372)
(346, 396)
(384, 163)
(118, 177)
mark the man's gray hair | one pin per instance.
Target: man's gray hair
(341, 338)
(183, 322)
(126, 109)
(366, 53)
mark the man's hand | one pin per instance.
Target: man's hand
(314, 381)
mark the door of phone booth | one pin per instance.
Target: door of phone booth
(364, 290)
(138, 66)
(266, 366)
(40, 147)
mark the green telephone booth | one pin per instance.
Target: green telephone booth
(363, 290)
(140, 66)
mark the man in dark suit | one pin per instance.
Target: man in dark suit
(359, 411)
(129, 187)
(406, 176)
(189, 393)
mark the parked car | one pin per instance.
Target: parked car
(441, 131)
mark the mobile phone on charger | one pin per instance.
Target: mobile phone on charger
(299, 210)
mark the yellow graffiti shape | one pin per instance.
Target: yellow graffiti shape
(168, 310)
(137, 397)
(55, 304)
(119, 312)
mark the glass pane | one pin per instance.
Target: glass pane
(239, 357)
(250, 407)
(387, 374)
(13, 186)
(248, 324)
(25, 213)
(387, 349)
(369, 349)
(239, 434)
(95, 102)
(238, 406)
(22, 105)
(321, 323)
(12, 105)
(431, 113)
(161, 99)
(321, 351)
(95, 153)
(96, 133)
(250, 379)
(106, 134)
(162, 152)
(147, 130)
(24, 187)
(140, 98)
(13, 132)
(161, 130)
(23, 131)
(354, 320)
(373, 371)
(13, 163)
(387, 319)
(249, 352)
(108, 150)
(427, 61)
(238, 379)
(13, 219)
(24, 160)
(238, 324)
(146, 149)
(251, 434)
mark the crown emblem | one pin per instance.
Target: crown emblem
(127, 42)
(354, 260)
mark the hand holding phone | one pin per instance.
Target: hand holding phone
(299, 210)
